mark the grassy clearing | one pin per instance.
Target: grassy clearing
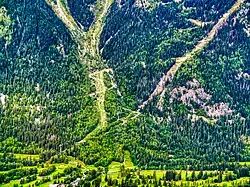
(114, 171)
(10, 184)
(25, 156)
(73, 161)
(127, 160)
(159, 174)
(244, 163)
(210, 181)
(59, 169)
(114, 167)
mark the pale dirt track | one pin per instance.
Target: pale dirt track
(88, 49)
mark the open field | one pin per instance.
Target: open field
(116, 172)
(25, 156)
(127, 160)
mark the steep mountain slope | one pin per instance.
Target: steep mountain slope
(167, 81)
(46, 89)
(154, 39)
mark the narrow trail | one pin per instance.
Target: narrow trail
(200, 23)
(88, 49)
(168, 77)
(126, 119)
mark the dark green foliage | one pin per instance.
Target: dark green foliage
(47, 171)
(47, 89)
(50, 104)
(28, 179)
(208, 10)
(135, 178)
(81, 11)
(142, 45)
(16, 174)
(9, 162)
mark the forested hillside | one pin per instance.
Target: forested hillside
(44, 90)
(86, 86)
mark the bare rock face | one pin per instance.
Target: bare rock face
(193, 93)
(142, 3)
(242, 75)
(218, 110)
(243, 17)
(3, 98)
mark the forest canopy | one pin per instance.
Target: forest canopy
(163, 84)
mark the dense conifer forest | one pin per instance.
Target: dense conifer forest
(124, 93)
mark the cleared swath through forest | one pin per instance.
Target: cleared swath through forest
(88, 49)
(168, 77)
